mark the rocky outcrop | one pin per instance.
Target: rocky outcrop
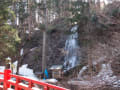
(33, 49)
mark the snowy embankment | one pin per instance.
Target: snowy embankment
(104, 77)
(23, 71)
(26, 72)
(2, 70)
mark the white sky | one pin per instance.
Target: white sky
(106, 1)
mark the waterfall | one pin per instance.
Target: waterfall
(71, 47)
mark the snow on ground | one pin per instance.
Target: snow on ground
(51, 80)
(36, 29)
(8, 58)
(24, 71)
(116, 83)
(27, 73)
(15, 67)
(32, 49)
(27, 32)
(104, 77)
(81, 71)
(2, 68)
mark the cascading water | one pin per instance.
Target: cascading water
(71, 48)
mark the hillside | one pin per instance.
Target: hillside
(79, 39)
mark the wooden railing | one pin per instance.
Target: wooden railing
(15, 82)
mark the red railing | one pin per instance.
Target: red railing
(23, 83)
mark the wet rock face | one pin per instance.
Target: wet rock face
(54, 46)
(56, 43)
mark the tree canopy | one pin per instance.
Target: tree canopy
(8, 35)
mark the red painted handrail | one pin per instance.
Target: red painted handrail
(20, 83)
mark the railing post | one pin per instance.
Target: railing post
(46, 88)
(7, 73)
(30, 84)
(16, 85)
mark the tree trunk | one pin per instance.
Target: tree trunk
(44, 39)
(44, 52)
(29, 18)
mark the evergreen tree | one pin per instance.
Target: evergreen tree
(8, 35)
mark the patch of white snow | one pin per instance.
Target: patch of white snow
(33, 49)
(21, 51)
(15, 66)
(36, 29)
(106, 75)
(81, 71)
(27, 31)
(51, 80)
(26, 72)
(2, 68)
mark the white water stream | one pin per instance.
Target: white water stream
(71, 47)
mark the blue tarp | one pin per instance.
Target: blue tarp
(46, 74)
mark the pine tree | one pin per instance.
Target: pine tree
(8, 35)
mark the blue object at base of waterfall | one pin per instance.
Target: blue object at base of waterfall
(46, 74)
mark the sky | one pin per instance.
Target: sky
(107, 1)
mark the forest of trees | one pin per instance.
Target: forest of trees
(97, 20)
(18, 17)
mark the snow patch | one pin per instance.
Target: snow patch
(26, 72)
(106, 75)
(106, 70)
(81, 71)
(2, 68)
(27, 31)
(23, 70)
(36, 29)
(116, 83)
(33, 49)
(51, 80)
(21, 51)
(8, 58)
(15, 67)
